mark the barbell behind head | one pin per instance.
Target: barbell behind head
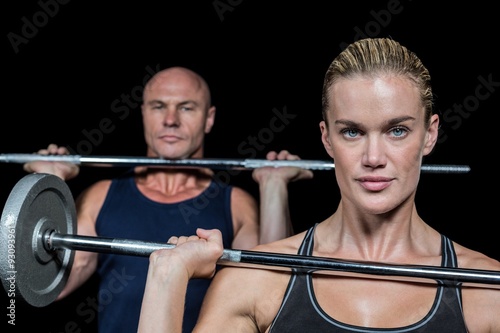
(212, 163)
(38, 242)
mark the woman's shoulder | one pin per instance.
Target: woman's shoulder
(472, 259)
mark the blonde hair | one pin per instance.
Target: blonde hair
(377, 56)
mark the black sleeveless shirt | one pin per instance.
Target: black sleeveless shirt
(300, 311)
(128, 214)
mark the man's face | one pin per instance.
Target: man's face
(176, 116)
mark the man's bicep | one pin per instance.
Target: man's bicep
(245, 215)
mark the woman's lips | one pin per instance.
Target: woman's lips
(375, 183)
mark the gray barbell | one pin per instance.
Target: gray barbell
(213, 163)
(38, 242)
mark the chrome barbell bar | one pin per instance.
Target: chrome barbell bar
(212, 163)
(249, 258)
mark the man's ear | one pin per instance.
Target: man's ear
(325, 138)
(209, 122)
(432, 134)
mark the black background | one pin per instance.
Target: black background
(66, 64)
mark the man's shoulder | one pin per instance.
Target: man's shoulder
(238, 193)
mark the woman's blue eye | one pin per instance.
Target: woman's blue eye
(351, 133)
(399, 131)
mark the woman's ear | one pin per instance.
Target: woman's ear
(432, 134)
(325, 138)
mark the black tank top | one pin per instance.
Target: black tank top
(300, 312)
(127, 213)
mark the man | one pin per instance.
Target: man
(377, 126)
(152, 204)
